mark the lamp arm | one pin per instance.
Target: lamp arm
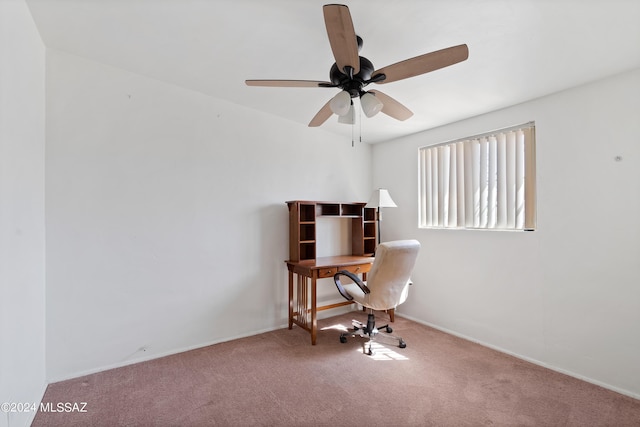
(379, 219)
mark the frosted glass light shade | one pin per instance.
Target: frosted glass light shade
(370, 104)
(340, 103)
(349, 118)
(381, 199)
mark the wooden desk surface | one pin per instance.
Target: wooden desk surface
(328, 266)
(331, 261)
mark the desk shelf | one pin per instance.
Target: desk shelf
(307, 212)
(328, 209)
(302, 226)
(307, 232)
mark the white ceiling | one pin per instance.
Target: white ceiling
(518, 49)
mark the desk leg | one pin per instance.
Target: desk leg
(314, 312)
(290, 299)
(300, 311)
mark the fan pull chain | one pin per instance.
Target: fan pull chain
(353, 126)
(360, 126)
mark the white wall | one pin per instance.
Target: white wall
(22, 261)
(567, 295)
(167, 226)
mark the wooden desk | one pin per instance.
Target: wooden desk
(302, 297)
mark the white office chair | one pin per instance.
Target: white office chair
(386, 287)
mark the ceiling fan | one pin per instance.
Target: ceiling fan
(352, 72)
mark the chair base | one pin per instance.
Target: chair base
(370, 330)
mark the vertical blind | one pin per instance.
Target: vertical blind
(485, 181)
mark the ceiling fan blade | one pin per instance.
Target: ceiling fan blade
(423, 64)
(391, 107)
(322, 116)
(342, 36)
(288, 83)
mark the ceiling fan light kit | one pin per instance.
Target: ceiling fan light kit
(370, 104)
(349, 118)
(340, 103)
(352, 72)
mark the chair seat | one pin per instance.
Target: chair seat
(380, 302)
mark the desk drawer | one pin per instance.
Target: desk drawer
(357, 269)
(327, 272)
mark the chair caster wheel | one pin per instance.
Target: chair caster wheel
(343, 339)
(402, 344)
(388, 330)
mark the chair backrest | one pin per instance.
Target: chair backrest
(389, 276)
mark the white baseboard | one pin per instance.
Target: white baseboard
(525, 358)
(321, 315)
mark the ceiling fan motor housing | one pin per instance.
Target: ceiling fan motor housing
(352, 85)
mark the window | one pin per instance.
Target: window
(481, 182)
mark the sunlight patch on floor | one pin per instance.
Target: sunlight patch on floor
(337, 327)
(380, 351)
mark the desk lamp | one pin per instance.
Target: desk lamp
(380, 199)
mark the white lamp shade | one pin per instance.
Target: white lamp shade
(349, 118)
(340, 103)
(381, 199)
(370, 104)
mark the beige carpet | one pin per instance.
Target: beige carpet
(279, 379)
